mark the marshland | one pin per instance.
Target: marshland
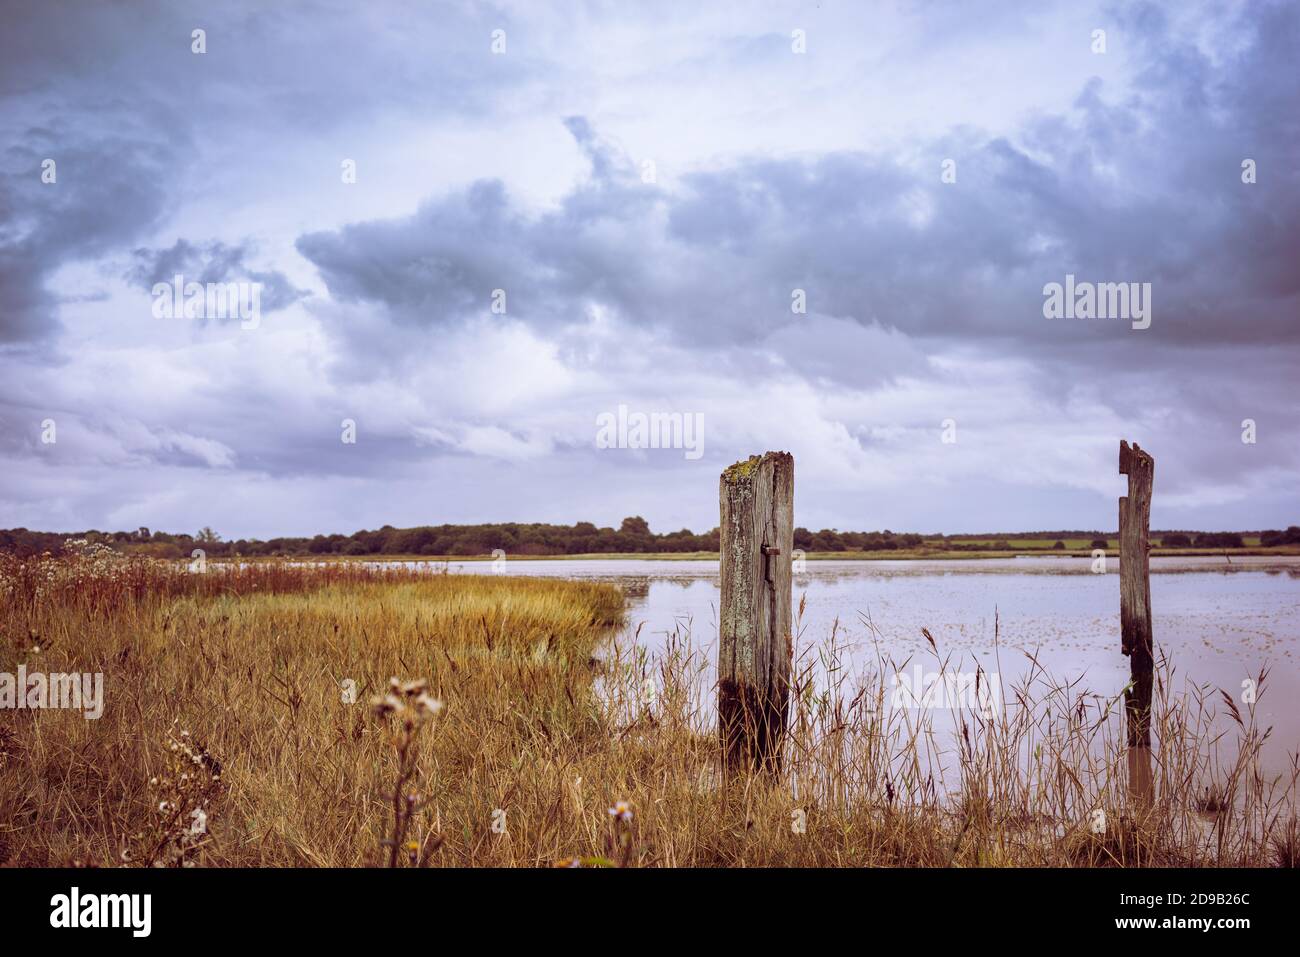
(252, 719)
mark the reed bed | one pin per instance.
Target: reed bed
(345, 715)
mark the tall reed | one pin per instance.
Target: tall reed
(555, 742)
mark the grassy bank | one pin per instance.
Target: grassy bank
(245, 694)
(249, 669)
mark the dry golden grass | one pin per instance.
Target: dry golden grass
(226, 692)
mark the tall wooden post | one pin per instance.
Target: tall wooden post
(1135, 615)
(756, 498)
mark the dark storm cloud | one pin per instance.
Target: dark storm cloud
(438, 263)
(106, 192)
(213, 262)
(444, 262)
(116, 96)
(1144, 190)
(305, 63)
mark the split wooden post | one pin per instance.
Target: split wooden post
(1135, 615)
(756, 498)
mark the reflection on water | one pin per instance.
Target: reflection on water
(1220, 623)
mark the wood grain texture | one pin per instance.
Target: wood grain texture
(756, 500)
(1135, 612)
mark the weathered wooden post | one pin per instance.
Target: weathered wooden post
(756, 498)
(1135, 615)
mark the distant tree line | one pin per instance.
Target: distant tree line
(1202, 540)
(1290, 537)
(829, 540)
(633, 535)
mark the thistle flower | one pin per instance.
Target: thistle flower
(386, 705)
(426, 705)
(411, 703)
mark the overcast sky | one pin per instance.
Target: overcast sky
(649, 189)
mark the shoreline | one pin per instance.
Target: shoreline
(898, 555)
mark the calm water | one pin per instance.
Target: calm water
(1219, 623)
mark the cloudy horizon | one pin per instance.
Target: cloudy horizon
(478, 231)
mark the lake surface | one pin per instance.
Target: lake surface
(1219, 622)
